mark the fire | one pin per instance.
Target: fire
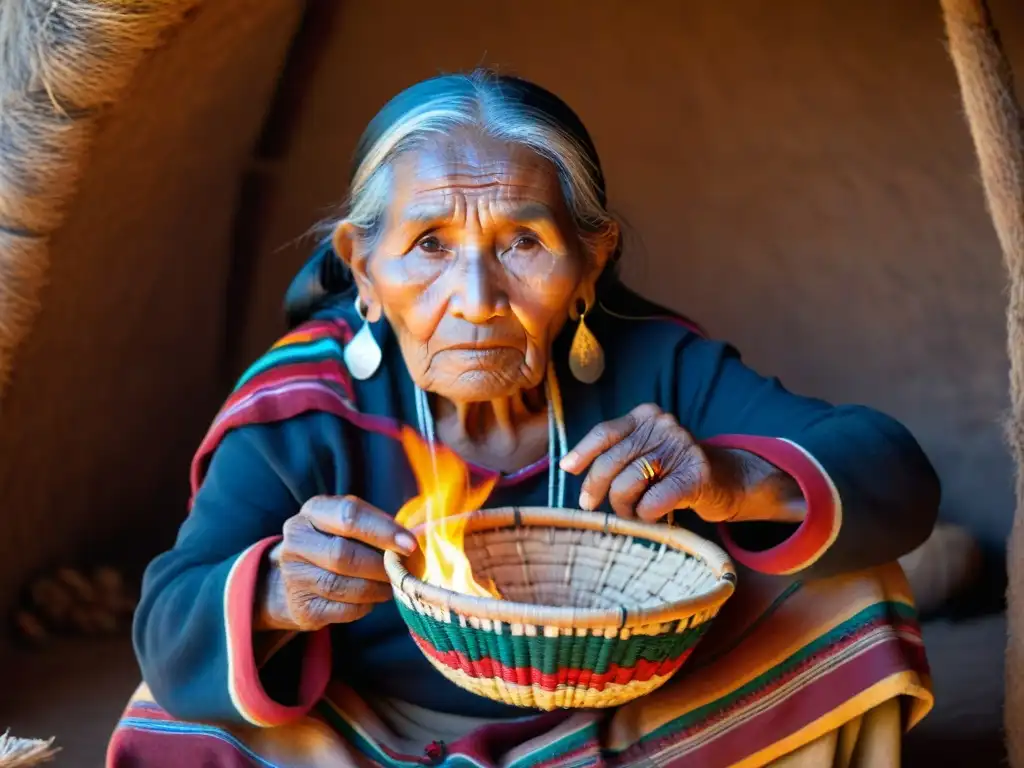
(437, 515)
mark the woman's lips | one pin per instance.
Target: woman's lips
(478, 345)
(489, 354)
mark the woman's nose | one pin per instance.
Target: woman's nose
(479, 298)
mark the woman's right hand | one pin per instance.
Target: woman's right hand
(329, 568)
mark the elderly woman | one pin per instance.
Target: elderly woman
(470, 290)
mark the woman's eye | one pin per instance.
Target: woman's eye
(430, 244)
(525, 243)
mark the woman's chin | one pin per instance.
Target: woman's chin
(481, 385)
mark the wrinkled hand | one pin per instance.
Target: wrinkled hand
(329, 568)
(648, 466)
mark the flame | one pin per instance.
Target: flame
(438, 515)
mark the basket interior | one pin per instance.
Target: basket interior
(566, 567)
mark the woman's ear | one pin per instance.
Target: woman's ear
(349, 247)
(602, 245)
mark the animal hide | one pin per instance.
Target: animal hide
(986, 84)
(61, 63)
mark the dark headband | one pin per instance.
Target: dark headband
(323, 278)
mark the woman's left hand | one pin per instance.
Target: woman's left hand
(648, 466)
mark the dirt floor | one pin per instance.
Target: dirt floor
(73, 691)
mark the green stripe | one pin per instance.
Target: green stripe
(548, 655)
(308, 351)
(901, 612)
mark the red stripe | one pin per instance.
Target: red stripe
(812, 536)
(487, 667)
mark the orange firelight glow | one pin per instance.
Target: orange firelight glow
(437, 515)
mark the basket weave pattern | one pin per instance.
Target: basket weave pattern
(594, 615)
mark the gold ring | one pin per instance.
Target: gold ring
(647, 468)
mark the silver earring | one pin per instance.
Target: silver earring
(362, 354)
(586, 358)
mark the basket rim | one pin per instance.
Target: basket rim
(510, 612)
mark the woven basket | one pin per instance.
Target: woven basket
(597, 610)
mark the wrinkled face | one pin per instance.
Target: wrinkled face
(476, 267)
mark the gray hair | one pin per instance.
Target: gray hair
(484, 108)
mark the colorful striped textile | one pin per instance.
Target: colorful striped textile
(784, 663)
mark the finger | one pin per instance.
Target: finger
(305, 578)
(604, 436)
(629, 486)
(318, 612)
(345, 557)
(353, 518)
(679, 489)
(611, 464)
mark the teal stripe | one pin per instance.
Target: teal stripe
(309, 351)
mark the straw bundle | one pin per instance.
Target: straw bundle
(22, 753)
(596, 611)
